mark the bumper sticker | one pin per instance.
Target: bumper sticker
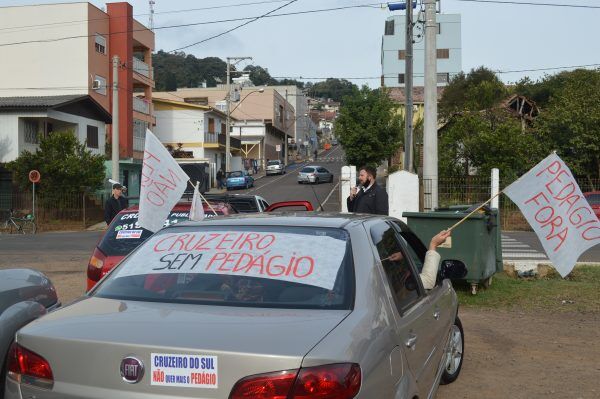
(179, 370)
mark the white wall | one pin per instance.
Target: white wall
(81, 129)
(61, 63)
(179, 126)
(403, 193)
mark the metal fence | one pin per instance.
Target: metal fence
(56, 210)
(474, 190)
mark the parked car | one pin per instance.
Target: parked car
(124, 234)
(239, 179)
(224, 309)
(314, 174)
(334, 142)
(243, 203)
(275, 167)
(593, 197)
(25, 295)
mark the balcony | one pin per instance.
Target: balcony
(233, 142)
(142, 68)
(141, 106)
(210, 137)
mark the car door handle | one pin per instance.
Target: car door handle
(411, 341)
(436, 315)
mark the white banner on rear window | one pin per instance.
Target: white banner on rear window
(162, 184)
(304, 259)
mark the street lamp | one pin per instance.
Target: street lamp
(228, 126)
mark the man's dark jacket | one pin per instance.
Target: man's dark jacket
(374, 201)
(113, 206)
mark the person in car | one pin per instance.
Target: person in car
(432, 259)
(115, 204)
(370, 197)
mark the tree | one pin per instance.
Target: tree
(478, 90)
(487, 140)
(368, 127)
(65, 164)
(181, 70)
(260, 76)
(570, 123)
(332, 88)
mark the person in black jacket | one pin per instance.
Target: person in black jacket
(369, 197)
(115, 204)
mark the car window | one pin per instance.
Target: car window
(124, 233)
(244, 205)
(236, 174)
(270, 163)
(416, 249)
(322, 170)
(400, 276)
(593, 199)
(239, 266)
(307, 170)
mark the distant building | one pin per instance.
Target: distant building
(393, 51)
(269, 112)
(79, 63)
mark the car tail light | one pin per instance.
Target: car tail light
(95, 270)
(332, 381)
(27, 367)
(265, 386)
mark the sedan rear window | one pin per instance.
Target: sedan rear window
(307, 170)
(236, 174)
(271, 163)
(257, 266)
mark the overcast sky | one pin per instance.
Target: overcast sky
(346, 43)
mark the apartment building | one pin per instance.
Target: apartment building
(53, 51)
(393, 51)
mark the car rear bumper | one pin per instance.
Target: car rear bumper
(236, 184)
(306, 179)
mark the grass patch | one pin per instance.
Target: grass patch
(579, 292)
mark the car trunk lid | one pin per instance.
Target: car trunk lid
(86, 342)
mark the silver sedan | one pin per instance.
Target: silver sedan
(264, 306)
(315, 174)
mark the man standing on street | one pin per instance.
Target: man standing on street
(369, 197)
(220, 176)
(114, 204)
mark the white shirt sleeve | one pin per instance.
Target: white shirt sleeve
(430, 269)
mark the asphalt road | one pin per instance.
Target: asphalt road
(286, 188)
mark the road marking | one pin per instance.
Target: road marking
(523, 255)
(330, 193)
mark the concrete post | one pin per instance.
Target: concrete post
(430, 142)
(495, 188)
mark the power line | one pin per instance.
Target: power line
(193, 24)
(139, 15)
(526, 3)
(234, 28)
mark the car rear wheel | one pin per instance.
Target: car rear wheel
(454, 354)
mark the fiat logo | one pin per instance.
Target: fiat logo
(132, 369)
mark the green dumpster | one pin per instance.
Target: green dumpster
(476, 242)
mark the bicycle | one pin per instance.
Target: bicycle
(24, 225)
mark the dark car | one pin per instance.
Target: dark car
(25, 295)
(124, 234)
(593, 198)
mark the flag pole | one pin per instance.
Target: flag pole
(196, 186)
(478, 208)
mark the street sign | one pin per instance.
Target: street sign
(34, 176)
(278, 147)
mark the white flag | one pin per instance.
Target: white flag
(197, 209)
(554, 206)
(162, 184)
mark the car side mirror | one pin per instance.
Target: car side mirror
(453, 269)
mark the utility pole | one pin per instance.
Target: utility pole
(430, 140)
(285, 138)
(151, 3)
(228, 112)
(408, 89)
(115, 120)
